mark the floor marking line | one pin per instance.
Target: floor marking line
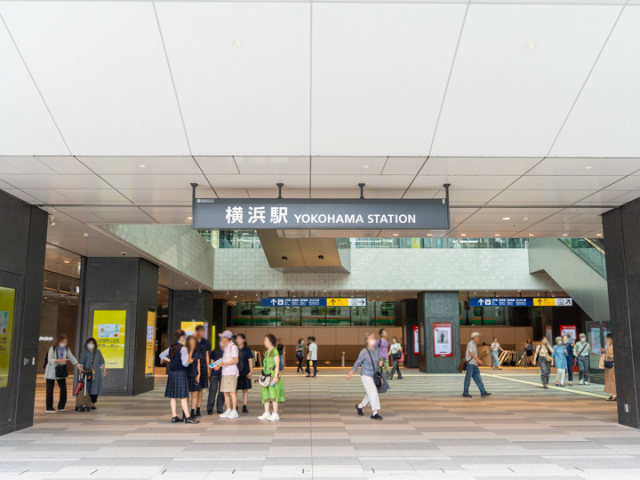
(551, 387)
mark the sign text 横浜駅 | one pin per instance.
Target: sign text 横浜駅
(313, 302)
(520, 302)
(257, 214)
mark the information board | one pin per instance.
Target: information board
(109, 330)
(313, 302)
(520, 302)
(7, 305)
(151, 343)
(569, 330)
(416, 340)
(442, 339)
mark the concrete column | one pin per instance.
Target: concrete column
(189, 305)
(120, 284)
(23, 239)
(438, 307)
(621, 232)
(407, 313)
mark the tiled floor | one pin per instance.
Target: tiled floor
(429, 431)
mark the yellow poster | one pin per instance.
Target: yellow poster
(151, 340)
(7, 302)
(190, 327)
(109, 331)
(544, 302)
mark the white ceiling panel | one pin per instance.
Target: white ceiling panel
(273, 165)
(218, 165)
(514, 218)
(242, 73)
(29, 165)
(231, 193)
(478, 166)
(403, 165)
(21, 195)
(586, 166)
(421, 193)
(54, 181)
(379, 73)
(26, 127)
(92, 195)
(540, 197)
(478, 182)
(47, 195)
(347, 165)
(603, 197)
(118, 216)
(625, 198)
(518, 70)
(469, 197)
(518, 212)
(154, 181)
(605, 120)
(169, 218)
(141, 165)
(273, 193)
(259, 181)
(632, 182)
(8, 169)
(102, 71)
(66, 165)
(568, 182)
(352, 181)
(165, 195)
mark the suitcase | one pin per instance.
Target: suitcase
(83, 399)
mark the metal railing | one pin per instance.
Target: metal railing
(590, 250)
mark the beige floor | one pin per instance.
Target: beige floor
(429, 431)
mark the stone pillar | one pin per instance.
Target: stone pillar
(191, 305)
(23, 239)
(621, 233)
(128, 286)
(438, 307)
(408, 315)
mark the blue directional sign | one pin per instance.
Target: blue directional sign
(313, 302)
(520, 302)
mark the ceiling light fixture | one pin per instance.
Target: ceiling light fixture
(237, 43)
(67, 261)
(598, 234)
(588, 167)
(142, 165)
(531, 44)
(565, 234)
(395, 234)
(532, 234)
(429, 234)
(463, 234)
(365, 166)
(497, 235)
(85, 234)
(189, 218)
(506, 218)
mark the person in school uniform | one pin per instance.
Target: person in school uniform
(245, 369)
(193, 372)
(216, 397)
(177, 356)
(205, 372)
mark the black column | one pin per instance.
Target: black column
(438, 307)
(120, 284)
(189, 305)
(621, 232)
(23, 239)
(408, 316)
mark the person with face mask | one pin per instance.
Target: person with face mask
(569, 344)
(544, 358)
(369, 362)
(560, 361)
(582, 351)
(56, 371)
(93, 366)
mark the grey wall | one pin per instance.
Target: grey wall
(54, 320)
(434, 307)
(186, 305)
(621, 232)
(129, 284)
(22, 249)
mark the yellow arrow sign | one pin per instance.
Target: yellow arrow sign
(544, 302)
(337, 302)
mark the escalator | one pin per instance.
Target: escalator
(577, 265)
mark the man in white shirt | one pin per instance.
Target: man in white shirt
(473, 370)
(312, 357)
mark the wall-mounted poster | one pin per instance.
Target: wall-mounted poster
(442, 340)
(569, 330)
(416, 340)
(7, 302)
(109, 330)
(190, 327)
(151, 340)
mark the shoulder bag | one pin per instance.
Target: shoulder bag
(379, 379)
(61, 368)
(264, 380)
(89, 374)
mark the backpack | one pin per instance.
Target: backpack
(240, 357)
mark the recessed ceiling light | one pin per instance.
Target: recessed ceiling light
(565, 234)
(395, 234)
(142, 165)
(525, 218)
(429, 234)
(85, 234)
(598, 234)
(531, 44)
(237, 43)
(497, 235)
(532, 234)
(588, 167)
(67, 261)
(463, 234)
(189, 218)
(365, 166)
(506, 218)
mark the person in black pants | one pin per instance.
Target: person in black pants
(56, 371)
(215, 394)
(300, 348)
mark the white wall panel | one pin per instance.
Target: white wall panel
(101, 68)
(506, 99)
(605, 121)
(251, 98)
(379, 73)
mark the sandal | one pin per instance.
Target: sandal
(610, 399)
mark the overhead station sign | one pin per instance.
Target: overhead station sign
(334, 214)
(313, 302)
(520, 302)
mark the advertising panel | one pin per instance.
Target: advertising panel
(569, 330)
(442, 340)
(109, 330)
(416, 340)
(189, 327)
(7, 302)
(151, 341)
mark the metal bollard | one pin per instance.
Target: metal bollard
(343, 359)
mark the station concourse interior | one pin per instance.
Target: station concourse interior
(450, 176)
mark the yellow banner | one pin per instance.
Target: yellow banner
(151, 342)
(7, 302)
(544, 302)
(337, 302)
(109, 331)
(190, 327)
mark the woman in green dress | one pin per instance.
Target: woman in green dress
(274, 393)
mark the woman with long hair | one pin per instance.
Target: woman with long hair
(92, 365)
(56, 371)
(395, 349)
(194, 371)
(274, 392)
(177, 356)
(544, 356)
(300, 354)
(609, 370)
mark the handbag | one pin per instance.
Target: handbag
(61, 370)
(89, 374)
(462, 366)
(401, 357)
(264, 380)
(79, 385)
(379, 379)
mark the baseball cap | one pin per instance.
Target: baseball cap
(476, 334)
(226, 334)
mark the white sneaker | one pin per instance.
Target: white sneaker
(225, 414)
(264, 416)
(586, 383)
(274, 417)
(232, 415)
(581, 382)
